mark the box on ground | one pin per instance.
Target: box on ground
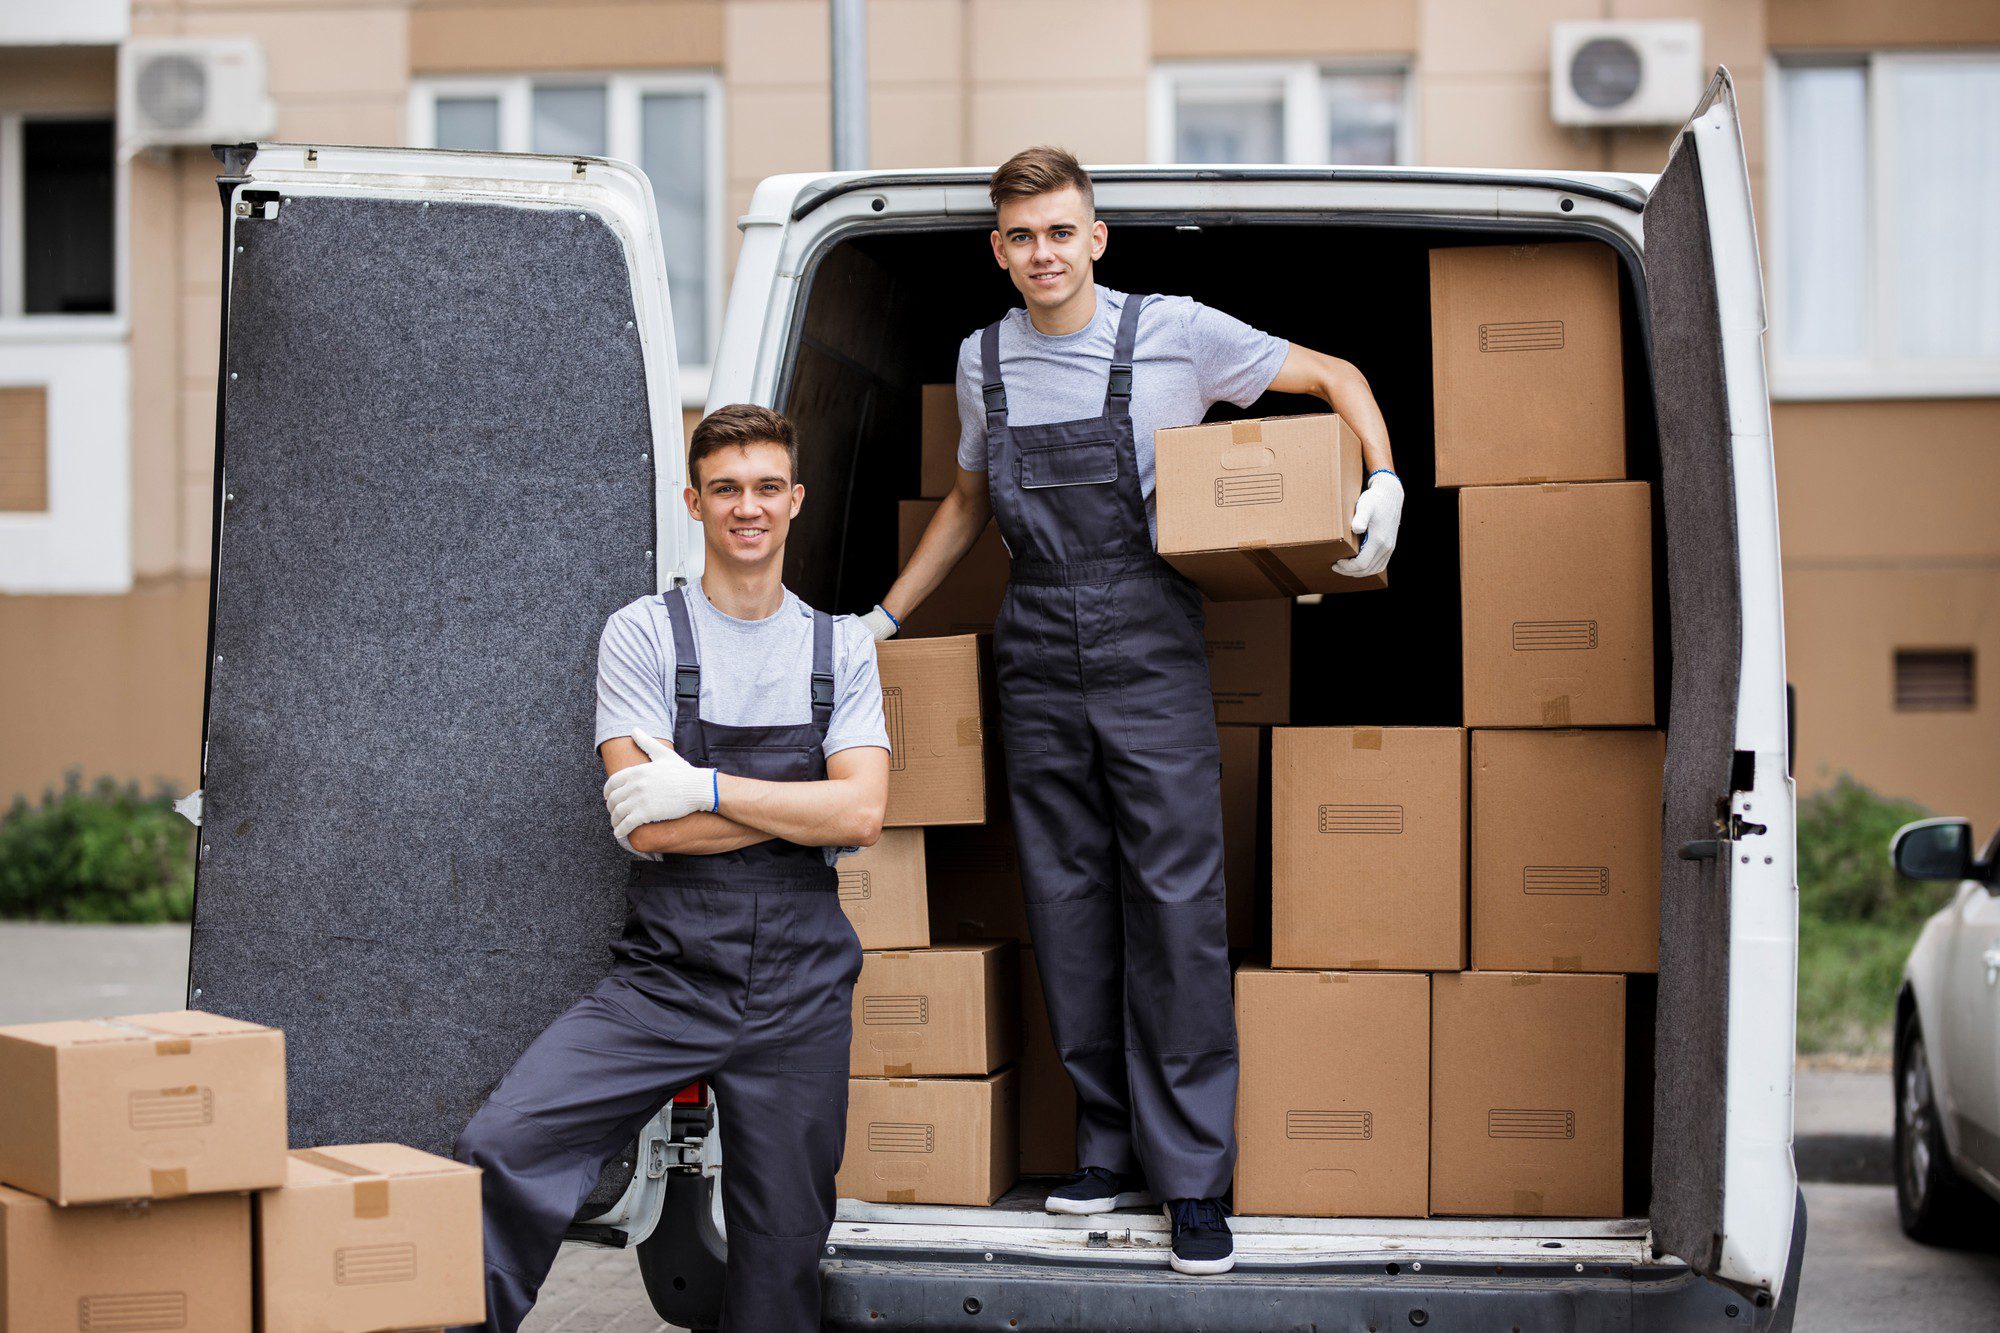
(370, 1236)
(940, 440)
(183, 1264)
(974, 874)
(1346, 1132)
(1048, 1097)
(151, 1106)
(1527, 367)
(934, 703)
(1243, 826)
(882, 891)
(1565, 869)
(1368, 847)
(1260, 508)
(931, 1140)
(951, 1010)
(1249, 647)
(1557, 588)
(1527, 1094)
(968, 601)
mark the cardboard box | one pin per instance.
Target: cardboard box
(1368, 847)
(370, 1236)
(940, 440)
(1048, 1097)
(1527, 364)
(151, 1106)
(1527, 1095)
(950, 1010)
(968, 601)
(1557, 590)
(882, 891)
(1243, 827)
(931, 1140)
(975, 881)
(1249, 647)
(1260, 508)
(178, 1265)
(1565, 870)
(934, 700)
(1345, 1133)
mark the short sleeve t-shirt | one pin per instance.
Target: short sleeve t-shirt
(1187, 357)
(754, 673)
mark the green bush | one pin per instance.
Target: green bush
(103, 854)
(1857, 918)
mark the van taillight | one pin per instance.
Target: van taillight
(694, 1094)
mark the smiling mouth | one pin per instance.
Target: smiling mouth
(748, 534)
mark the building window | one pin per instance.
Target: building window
(1303, 113)
(58, 234)
(668, 124)
(1932, 680)
(1885, 264)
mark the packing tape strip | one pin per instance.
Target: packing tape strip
(1274, 571)
(898, 1071)
(1566, 962)
(1368, 738)
(167, 1044)
(1555, 712)
(170, 1184)
(1528, 1202)
(1246, 432)
(900, 1196)
(1366, 964)
(1525, 979)
(970, 732)
(371, 1197)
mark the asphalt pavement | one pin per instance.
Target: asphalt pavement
(1861, 1274)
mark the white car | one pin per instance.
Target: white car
(1948, 1040)
(450, 445)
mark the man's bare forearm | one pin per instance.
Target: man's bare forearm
(698, 834)
(1341, 386)
(960, 519)
(832, 813)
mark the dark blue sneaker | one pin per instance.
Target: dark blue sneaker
(1202, 1244)
(1095, 1190)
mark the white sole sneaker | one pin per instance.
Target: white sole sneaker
(1202, 1267)
(1086, 1207)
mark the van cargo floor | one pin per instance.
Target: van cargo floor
(1017, 1222)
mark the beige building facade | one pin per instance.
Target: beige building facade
(1888, 444)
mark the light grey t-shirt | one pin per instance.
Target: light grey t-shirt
(1187, 358)
(754, 673)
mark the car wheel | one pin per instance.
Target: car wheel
(1933, 1202)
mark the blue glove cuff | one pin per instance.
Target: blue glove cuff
(715, 789)
(891, 614)
(1371, 476)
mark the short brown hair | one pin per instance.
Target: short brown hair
(1040, 170)
(740, 424)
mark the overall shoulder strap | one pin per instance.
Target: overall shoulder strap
(687, 665)
(1118, 389)
(822, 672)
(989, 373)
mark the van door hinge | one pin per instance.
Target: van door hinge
(188, 807)
(258, 205)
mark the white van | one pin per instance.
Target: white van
(450, 443)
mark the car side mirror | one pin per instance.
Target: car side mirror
(1933, 849)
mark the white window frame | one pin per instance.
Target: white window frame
(622, 94)
(1303, 86)
(1880, 372)
(13, 274)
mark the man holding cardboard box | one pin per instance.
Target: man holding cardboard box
(736, 964)
(1112, 757)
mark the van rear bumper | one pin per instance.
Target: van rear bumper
(900, 1290)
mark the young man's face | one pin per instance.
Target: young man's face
(1048, 243)
(746, 499)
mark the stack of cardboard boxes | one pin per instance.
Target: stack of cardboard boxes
(1455, 910)
(132, 1153)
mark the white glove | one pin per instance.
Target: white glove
(880, 623)
(666, 788)
(1377, 515)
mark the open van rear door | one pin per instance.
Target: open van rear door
(1725, 1194)
(447, 448)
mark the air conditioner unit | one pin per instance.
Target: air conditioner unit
(192, 91)
(1624, 73)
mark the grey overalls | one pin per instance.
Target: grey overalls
(1114, 776)
(736, 968)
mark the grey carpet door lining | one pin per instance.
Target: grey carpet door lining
(435, 442)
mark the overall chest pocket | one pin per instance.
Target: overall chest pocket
(1082, 461)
